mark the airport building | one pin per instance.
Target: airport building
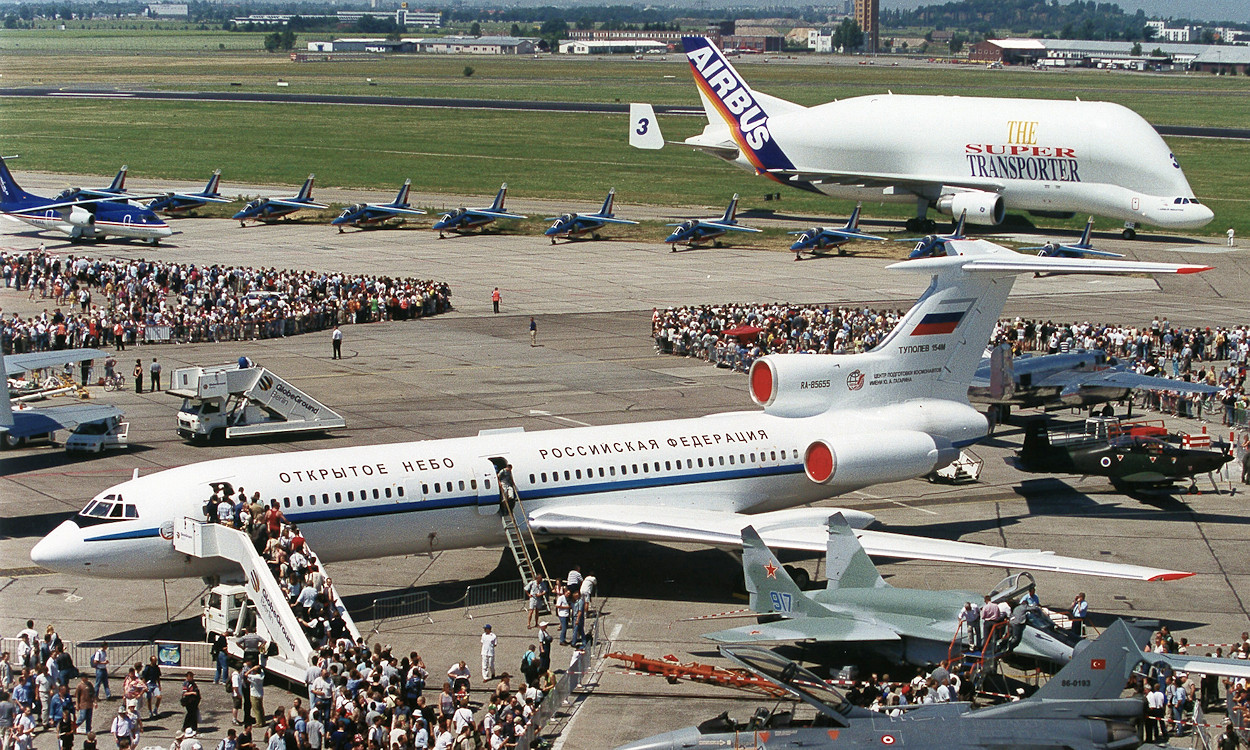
(867, 15)
(167, 10)
(612, 47)
(1079, 53)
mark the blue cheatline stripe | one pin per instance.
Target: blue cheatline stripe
(345, 510)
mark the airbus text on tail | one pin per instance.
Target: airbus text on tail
(982, 155)
(79, 217)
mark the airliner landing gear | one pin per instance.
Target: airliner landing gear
(1130, 230)
(917, 224)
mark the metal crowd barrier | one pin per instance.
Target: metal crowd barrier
(483, 596)
(583, 664)
(192, 655)
(157, 334)
(409, 604)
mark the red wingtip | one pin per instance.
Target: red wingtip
(1194, 269)
(1171, 576)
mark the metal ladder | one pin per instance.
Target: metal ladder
(522, 544)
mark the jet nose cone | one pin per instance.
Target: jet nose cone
(61, 550)
(164, 230)
(676, 740)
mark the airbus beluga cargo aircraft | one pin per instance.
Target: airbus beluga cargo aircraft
(828, 424)
(976, 154)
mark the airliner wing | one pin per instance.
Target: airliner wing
(805, 529)
(38, 421)
(1016, 263)
(15, 363)
(611, 220)
(835, 628)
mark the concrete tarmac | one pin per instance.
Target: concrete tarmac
(470, 370)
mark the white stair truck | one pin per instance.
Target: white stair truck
(229, 401)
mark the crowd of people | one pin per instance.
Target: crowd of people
(119, 302)
(735, 335)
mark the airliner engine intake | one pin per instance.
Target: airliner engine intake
(793, 385)
(81, 217)
(982, 207)
(874, 457)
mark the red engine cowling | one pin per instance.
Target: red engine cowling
(861, 459)
(793, 385)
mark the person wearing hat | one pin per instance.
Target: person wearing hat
(489, 641)
(544, 646)
(189, 741)
(126, 727)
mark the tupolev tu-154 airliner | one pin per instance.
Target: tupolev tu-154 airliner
(951, 153)
(827, 425)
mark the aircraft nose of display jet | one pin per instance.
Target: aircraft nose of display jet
(681, 738)
(61, 550)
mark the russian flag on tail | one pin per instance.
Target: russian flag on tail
(937, 323)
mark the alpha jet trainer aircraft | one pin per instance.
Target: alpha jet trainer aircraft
(858, 609)
(572, 225)
(1062, 381)
(694, 231)
(1082, 249)
(1077, 709)
(817, 239)
(1129, 461)
(376, 214)
(952, 153)
(81, 218)
(176, 203)
(470, 218)
(115, 189)
(271, 209)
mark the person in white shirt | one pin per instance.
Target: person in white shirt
(489, 641)
(463, 717)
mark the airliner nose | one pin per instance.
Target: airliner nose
(60, 550)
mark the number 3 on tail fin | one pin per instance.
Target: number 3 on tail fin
(644, 131)
(782, 602)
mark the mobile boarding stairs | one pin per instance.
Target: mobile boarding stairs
(277, 622)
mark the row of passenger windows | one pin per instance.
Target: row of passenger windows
(350, 496)
(569, 475)
(654, 467)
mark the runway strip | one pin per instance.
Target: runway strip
(495, 104)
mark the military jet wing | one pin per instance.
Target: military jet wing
(1201, 664)
(833, 628)
(806, 529)
(1072, 381)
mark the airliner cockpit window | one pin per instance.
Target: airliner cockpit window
(131, 511)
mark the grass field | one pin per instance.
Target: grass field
(553, 155)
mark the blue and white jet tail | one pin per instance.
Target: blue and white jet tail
(118, 185)
(606, 211)
(11, 194)
(214, 183)
(401, 198)
(305, 193)
(731, 211)
(499, 198)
